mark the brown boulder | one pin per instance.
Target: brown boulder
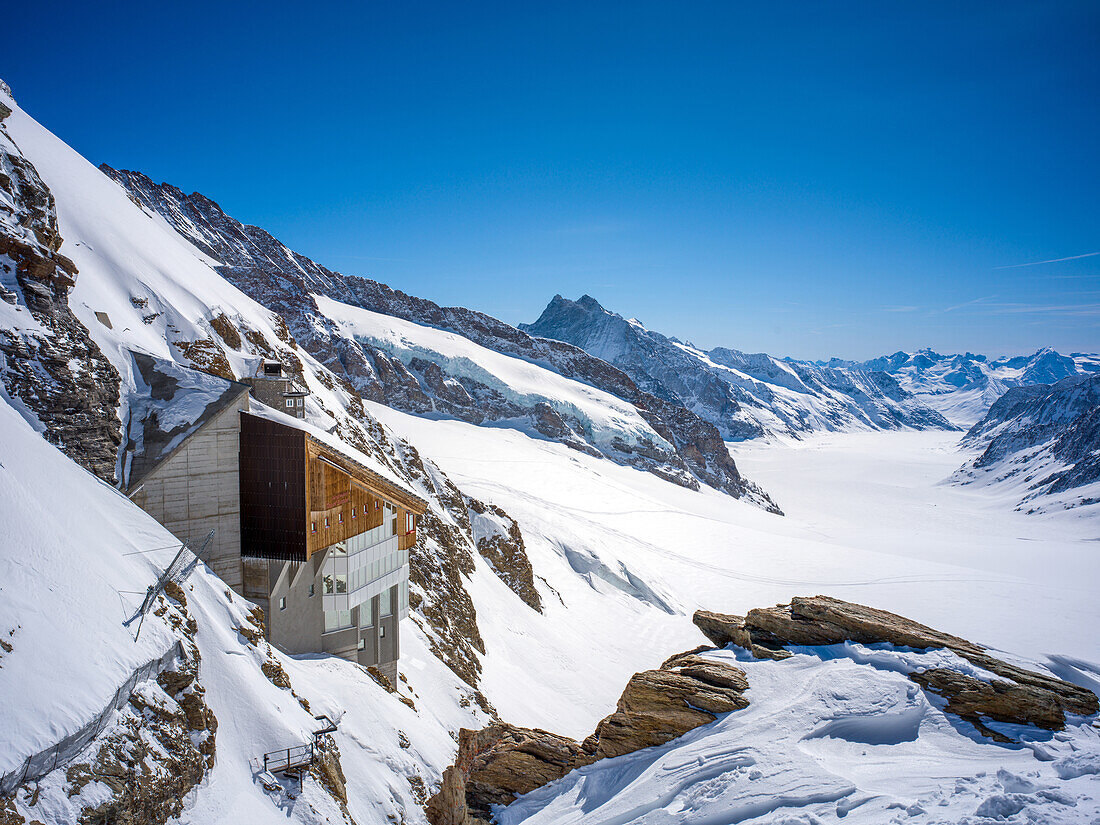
(1026, 698)
(661, 705)
(501, 762)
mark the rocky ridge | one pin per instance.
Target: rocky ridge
(501, 762)
(743, 395)
(48, 361)
(283, 281)
(1045, 437)
(1020, 696)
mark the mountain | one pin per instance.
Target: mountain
(963, 387)
(1042, 443)
(646, 431)
(547, 569)
(744, 396)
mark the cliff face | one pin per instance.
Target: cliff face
(47, 359)
(283, 281)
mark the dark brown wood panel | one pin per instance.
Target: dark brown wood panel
(273, 494)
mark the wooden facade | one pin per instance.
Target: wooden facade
(299, 495)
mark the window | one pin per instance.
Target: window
(312, 590)
(301, 402)
(290, 402)
(341, 582)
(362, 644)
(385, 603)
(366, 613)
(326, 522)
(382, 632)
(337, 620)
(313, 527)
(394, 525)
(329, 584)
(410, 523)
(340, 518)
(282, 603)
(353, 512)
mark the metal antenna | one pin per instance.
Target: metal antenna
(178, 569)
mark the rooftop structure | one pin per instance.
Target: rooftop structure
(315, 532)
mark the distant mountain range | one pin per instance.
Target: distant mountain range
(744, 395)
(752, 395)
(1042, 443)
(963, 387)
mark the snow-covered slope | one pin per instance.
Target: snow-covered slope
(963, 387)
(833, 733)
(744, 395)
(618, 559)
(283, 280)
(76, 559)
(1042, 441)
(607, 421)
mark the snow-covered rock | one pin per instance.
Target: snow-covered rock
(963, 387)
(744, 395)
(1043, 442)
(672, 442)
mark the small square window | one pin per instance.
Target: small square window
(301, 402)
(312, 590)
(382, 632)
(362, 644)
(282, 603)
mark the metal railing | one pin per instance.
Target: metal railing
(287, 759)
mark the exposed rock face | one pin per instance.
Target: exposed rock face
(283, 280)
(743, 395)
(1025, 697)
(660, 705)
(501, 762)
(1046, 434)
(47, 358)
(500, 542)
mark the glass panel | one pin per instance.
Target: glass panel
(385, 608)
(327, 579)
(341, 582)
(366, 613)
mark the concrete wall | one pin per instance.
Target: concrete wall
(197, 489)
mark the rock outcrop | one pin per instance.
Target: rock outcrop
(48, 360)
(501, 762)
(1024, 697)
(284, 281)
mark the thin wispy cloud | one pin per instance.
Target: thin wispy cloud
(984, 299)
(901, 309)
(1051, 261)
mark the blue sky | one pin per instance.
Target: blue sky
(816, 180)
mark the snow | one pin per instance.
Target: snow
(77, 546)
(122, 253)
(604, 416)
(868, 519)
(825, 736)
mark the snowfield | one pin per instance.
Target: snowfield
(833, 732)
(605, 417)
